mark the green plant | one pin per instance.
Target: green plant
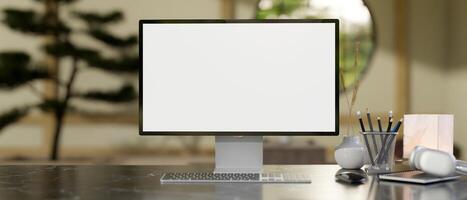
(349, 32)
(280, 8)
(18, 69)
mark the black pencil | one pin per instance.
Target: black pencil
(368, 115)
(359, 116)
(398, 125)
(379, 124)
(389, 121)
(386, 136)
(389, 124)
(391, 140)
(380, 127)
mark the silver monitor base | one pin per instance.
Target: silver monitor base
(239, 154)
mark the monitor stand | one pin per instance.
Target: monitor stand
(239, 154)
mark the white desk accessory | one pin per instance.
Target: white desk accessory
(436, 163)
(431, 131)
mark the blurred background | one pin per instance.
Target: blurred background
(68, 74)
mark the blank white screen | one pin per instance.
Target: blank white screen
(275, 77)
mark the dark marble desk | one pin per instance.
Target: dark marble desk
(142, 182)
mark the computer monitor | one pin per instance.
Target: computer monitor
(239, 80)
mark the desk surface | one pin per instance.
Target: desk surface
(142, 182)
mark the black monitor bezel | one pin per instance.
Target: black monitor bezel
(238, 133)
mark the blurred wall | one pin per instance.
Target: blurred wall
(456, 80)
(438, 62)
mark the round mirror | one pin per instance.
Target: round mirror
(357, 34)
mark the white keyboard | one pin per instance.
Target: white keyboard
(235, 178)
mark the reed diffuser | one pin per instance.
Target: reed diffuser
(351, 100)
(349, 154)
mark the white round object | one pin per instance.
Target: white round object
(350, 153)
(349, 158)
(434, 162)
(437, 163)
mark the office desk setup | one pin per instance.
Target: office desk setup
(241, 80)
(142, 182)
(197, 78)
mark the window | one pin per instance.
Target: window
(356, 27)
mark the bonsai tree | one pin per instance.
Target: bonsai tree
(18, 69)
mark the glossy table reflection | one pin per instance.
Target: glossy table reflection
(142, 182)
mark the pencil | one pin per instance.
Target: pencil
(381, 137)
(389, 127)
(398, 125)
(368, 115)
(389, 121)
(379, 124)
(386, 136)
(380, 129)
(362, 126)
(359, 116)
(391, 140)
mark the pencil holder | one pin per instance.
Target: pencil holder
(380, 146)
